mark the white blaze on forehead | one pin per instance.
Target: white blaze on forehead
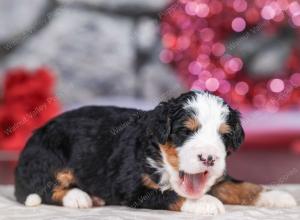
(211, 112)
(209, 109)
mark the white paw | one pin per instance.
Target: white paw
(33, 200)
(276, 199)
(207, 205)
(76, 198)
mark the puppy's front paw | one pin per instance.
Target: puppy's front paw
(276, 199)
(207, 205)
(76, 198)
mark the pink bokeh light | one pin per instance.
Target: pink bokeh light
(294, 8)
(241, 88)
(276, 85)
(283, 4)
(166, 56)
(212, 84)
(240, 5)
(234, 65)
(238, 24)
(191, 8)
(295, 80)
(224, 87)
(268, 12)
(296, 20)
(195, 68)
(218, 49)
(203, 10)
(207, 34)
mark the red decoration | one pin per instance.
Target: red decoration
(200, 38)
(28, 102)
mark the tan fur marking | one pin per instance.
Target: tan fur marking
(237, 193)
(224, 129)
(176, 206)
(171, 154)
(192, 124)
(148, 182)
(65, 178)
(58, 193)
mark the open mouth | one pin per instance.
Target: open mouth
(193, 184)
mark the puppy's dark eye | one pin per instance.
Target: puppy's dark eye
(188, 132)
(182, 132)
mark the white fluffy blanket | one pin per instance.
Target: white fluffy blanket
(11, 210)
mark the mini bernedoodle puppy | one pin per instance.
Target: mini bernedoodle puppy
(172, 158)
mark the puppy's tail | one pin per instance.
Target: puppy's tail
(33, 200)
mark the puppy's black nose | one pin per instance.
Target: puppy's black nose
(209, 158)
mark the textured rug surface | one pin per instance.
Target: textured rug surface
(11, 210)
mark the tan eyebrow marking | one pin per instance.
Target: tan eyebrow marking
(192, 124)
(224, 129)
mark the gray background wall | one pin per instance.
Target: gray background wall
(97, 48)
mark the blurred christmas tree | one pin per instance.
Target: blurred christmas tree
(245, 51)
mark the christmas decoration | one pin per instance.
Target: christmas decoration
(248, 52)
(28, 102)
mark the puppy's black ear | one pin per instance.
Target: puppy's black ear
(160, 125)
(235, 138)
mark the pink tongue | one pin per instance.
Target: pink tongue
(194, 183)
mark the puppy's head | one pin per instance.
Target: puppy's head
(194, 133)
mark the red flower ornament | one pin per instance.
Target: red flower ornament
(28, 103)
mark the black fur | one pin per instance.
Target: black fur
(235, 138)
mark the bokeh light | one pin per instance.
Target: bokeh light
(212, 84)
(218, 49)
(166, 56)
(241, 88)
(191, 8)
(296, 19)
(268, 12)
(207, 34)
(234, 65)
(203, 10)
(195, 68)
(240, 5)
(276, 85)
(224, 87)
(238, 24)
(295, 80)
